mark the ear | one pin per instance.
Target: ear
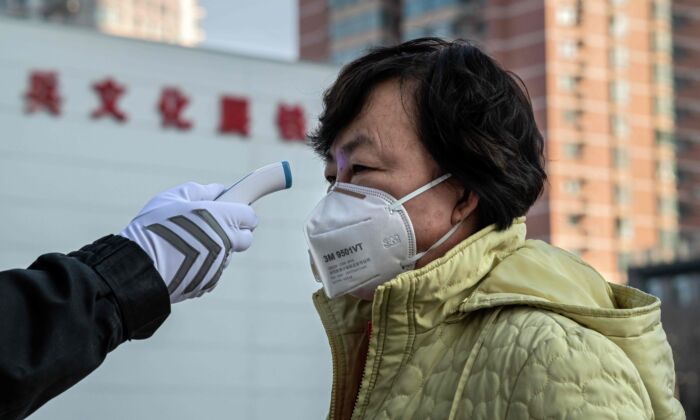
(465, 208)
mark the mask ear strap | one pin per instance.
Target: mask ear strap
(419, 191)
(440, 241)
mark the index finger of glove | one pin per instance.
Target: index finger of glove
(187, 192)
(192, 191)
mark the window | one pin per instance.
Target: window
(685, 210)
(681, 81)
(664, 106)
(687, 288)
(663, 73)
(620, 127)
(568, 82)
(666, 205)
(623, 261)
(572, 116)
(683, 114)
(668, 239)
(567, 16)
(356, 24)
(621, 158)
(663, 137)
(680, 21)
(342, 3)
(665, 170)
(573, 150)
(618, 25)
(568, 48)
(346, 55)
(622, 194)
(662, 41)
(413, 33)
(683, 144)
(620, 91)
(679, 53)
(573, 186)
(419, 7)
(443, 30)
(574, 220)
(625, 228)
(619, 57)
(655, 286)
(662, 9)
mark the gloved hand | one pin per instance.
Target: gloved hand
(190, 238)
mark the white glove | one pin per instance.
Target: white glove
(190, 238)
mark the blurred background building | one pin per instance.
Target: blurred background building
(686, 79)
(171, 21)
(601, 76)
(677, 284)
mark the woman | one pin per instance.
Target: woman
(434, 303)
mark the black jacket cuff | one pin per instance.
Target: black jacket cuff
(138, 288)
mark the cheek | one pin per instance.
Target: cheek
(429, 219)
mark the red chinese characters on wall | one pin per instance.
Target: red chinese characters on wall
(43, 93)
(171, 106)
(110, 92)
(234, 112)
(234, 116)
(291, 122)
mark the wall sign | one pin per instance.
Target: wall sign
(43, 93)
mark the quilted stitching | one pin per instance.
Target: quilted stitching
(535, 365)
(577, 373)
(565, 345)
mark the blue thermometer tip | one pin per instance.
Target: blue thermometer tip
(287, 174)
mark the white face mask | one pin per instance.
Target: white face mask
(361, 237)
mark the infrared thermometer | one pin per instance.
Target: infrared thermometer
(259, 183)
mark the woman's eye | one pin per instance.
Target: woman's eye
(356, 169)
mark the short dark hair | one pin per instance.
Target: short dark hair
(474, 118)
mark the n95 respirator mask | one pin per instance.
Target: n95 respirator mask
(361, 237)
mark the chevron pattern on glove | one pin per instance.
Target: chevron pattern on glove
(228, 246)
(190, 253)
(211, 246)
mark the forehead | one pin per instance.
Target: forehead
(383, 122)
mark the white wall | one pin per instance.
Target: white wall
(254, 348)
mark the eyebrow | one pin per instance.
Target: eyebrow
(354, 144)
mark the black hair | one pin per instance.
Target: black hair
(473, 117)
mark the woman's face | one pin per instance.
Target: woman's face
(381, 149)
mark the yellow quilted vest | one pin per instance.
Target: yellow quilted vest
(500, 328)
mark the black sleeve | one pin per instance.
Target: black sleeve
(60, 317)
